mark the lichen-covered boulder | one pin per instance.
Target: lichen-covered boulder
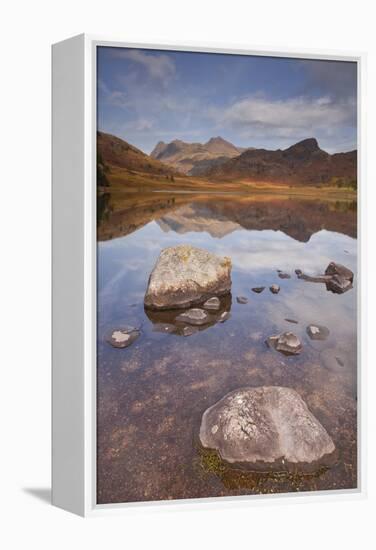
(185, 275)
(263, 426)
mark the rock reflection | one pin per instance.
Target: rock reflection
(171, 321)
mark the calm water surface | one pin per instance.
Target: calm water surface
(151, 396)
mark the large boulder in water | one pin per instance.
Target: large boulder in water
(185, 276)
(265, 426)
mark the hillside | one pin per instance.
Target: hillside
(192, 158)
(198, 166)
(116, 152)
(303, 163)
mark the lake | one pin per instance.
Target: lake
(151, 395)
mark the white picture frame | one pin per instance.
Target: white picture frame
(74, 277)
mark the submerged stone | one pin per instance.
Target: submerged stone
(332, 358)
(242, 300)
(167, 328)
(194, 316)
(172, 321)
(287, 343)
(258, 289)
(185, 275)
(283, 275)
(224, 316)
(123, 337)
(188, 331)
(212, 304)
(317, 332)
(265, 425)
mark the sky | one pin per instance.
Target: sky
(146, 96)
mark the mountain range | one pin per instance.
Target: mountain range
(303, 163)
(194, 159)
(219, 160)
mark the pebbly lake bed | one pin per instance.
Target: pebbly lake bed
(152, 394)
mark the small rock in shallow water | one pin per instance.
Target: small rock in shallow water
(287, 343)
(274, 289)
(340, 270)
(258, 289)
(283, 275)
(224, 316)
(337, 278)
(167, 328)
(342, 278)
(317, 332)
(213, 303)
(291, 321)
(123, 337)
(265, 425)
(338, 284)
(194, 316)
(188, 331)
(332, 358)
(242, 300)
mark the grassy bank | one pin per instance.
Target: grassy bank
(125, 180)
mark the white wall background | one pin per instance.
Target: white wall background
(27, 30)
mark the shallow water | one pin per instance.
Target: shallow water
(151, 396)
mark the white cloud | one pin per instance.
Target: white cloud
(115, 98)
(256, 114)
(159, 67)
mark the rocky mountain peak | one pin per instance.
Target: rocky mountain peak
(309, 145)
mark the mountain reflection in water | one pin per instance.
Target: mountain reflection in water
(151, 396)
(220, 215)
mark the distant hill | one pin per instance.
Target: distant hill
(193, 158)
(303, 162)
(113, 151)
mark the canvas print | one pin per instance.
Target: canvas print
(227, 275)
